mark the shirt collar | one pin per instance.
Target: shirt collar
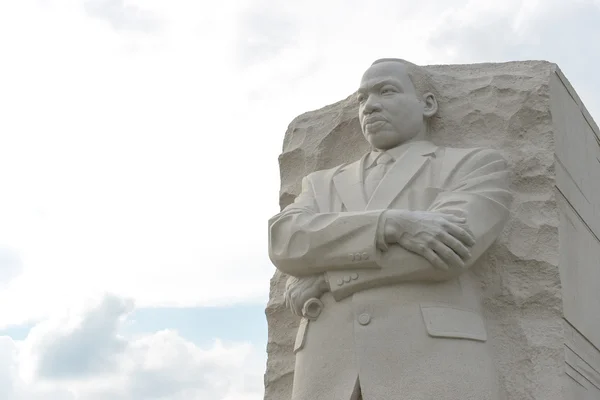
(395, 152)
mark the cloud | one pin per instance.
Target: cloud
(114, 171)
(8, 359)
(151, 173)
(146, 164)
(264, 30)
(556, 31)
(83, 348)
(11, 265)
(121, 15)
(83, 356)
(170, 367)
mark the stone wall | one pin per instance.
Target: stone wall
(529, 112)
(577, 155)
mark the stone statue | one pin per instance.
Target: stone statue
(376, 251)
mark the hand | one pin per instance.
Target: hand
(299, 290)
(438, 237)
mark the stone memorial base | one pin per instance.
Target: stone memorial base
(540, 281)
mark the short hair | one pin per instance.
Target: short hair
(419, 76)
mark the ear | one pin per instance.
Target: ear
(431, 105)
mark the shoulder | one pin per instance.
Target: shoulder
(459, 164)
(473, 157)
(473, 152)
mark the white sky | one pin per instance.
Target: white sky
(139, 138)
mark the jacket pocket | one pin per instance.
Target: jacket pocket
(301, 335)
(448, 321)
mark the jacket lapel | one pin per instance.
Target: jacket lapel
(400, 175)
(349, 185)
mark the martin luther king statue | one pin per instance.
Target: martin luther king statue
(376, 251)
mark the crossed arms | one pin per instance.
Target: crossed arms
(392, 246)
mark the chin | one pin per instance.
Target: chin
(383, 140)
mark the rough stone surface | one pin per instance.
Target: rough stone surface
(502, 106)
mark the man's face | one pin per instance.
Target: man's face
(390, 111)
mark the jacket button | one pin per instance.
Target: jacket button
(365, 256)
(340, 282)
(351, 257)
(354, 276)
(347, 278)
(364, 319)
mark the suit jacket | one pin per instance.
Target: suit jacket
(391, 323)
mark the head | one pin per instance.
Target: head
(395, 101)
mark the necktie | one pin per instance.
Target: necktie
(376, 173)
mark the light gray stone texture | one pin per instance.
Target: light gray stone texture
(540, 279)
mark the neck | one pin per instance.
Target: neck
(418, 138)
(422, 135)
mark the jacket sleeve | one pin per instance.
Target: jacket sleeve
(304, 241)
(477, 189)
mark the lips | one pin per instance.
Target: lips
(374, 123)
(372, 120)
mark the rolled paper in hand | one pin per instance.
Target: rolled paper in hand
(312, 308)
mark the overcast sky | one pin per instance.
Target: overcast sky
(138, 167)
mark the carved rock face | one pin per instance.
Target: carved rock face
(501, 106)
(390, 111)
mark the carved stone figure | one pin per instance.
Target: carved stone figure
(376, 251)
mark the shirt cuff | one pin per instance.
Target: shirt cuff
(380, 235)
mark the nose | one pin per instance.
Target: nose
(371, 105)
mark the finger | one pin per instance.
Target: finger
(286, 296)
(467, 229)
(460, 233)
(454, 244)
(435, 260)
(290, 304)
(294, 305)
(297, 311)
(425, 252)
(299, 303)
(454, 218)
(447, 255)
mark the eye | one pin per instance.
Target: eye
(388, 90)
(360, 98)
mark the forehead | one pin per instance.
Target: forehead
(384, 71)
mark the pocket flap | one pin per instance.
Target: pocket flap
(301, 335)
(453, 322)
